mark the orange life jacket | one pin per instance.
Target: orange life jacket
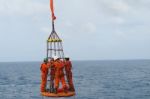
(44, 68)
(52, 68)
(68, 66)
(59, 66)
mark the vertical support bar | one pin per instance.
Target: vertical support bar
(54, 48)
(63, 56)
(58, 49)
(47, 48)
(51, 49)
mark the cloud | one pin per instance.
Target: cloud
(119, 6)
(22, 7)
(89, 27)
(113, 7)
(118, 20)
(45, 29)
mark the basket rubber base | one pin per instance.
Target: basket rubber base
(59, 94)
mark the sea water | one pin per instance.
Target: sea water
(128, 79)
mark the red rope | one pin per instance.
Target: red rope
(52, 10)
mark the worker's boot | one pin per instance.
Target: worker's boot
(72, 89)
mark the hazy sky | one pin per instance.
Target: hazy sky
(90, 29)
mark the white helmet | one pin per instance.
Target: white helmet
(66, 56)
(55, 57)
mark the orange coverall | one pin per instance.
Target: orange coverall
(59, 74)
(68, 67)
(52, 76)
(44, 72)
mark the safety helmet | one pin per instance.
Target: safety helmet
(66, 56)
(45, 59)
(55, 57)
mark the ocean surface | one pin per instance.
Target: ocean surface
(92, 79)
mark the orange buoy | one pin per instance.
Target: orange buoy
(59, 94)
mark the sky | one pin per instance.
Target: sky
(90, 29)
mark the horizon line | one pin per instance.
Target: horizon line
(80, 60)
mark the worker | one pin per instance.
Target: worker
(68, 67)
(44, 72)
(59, 74)
(52, 75)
